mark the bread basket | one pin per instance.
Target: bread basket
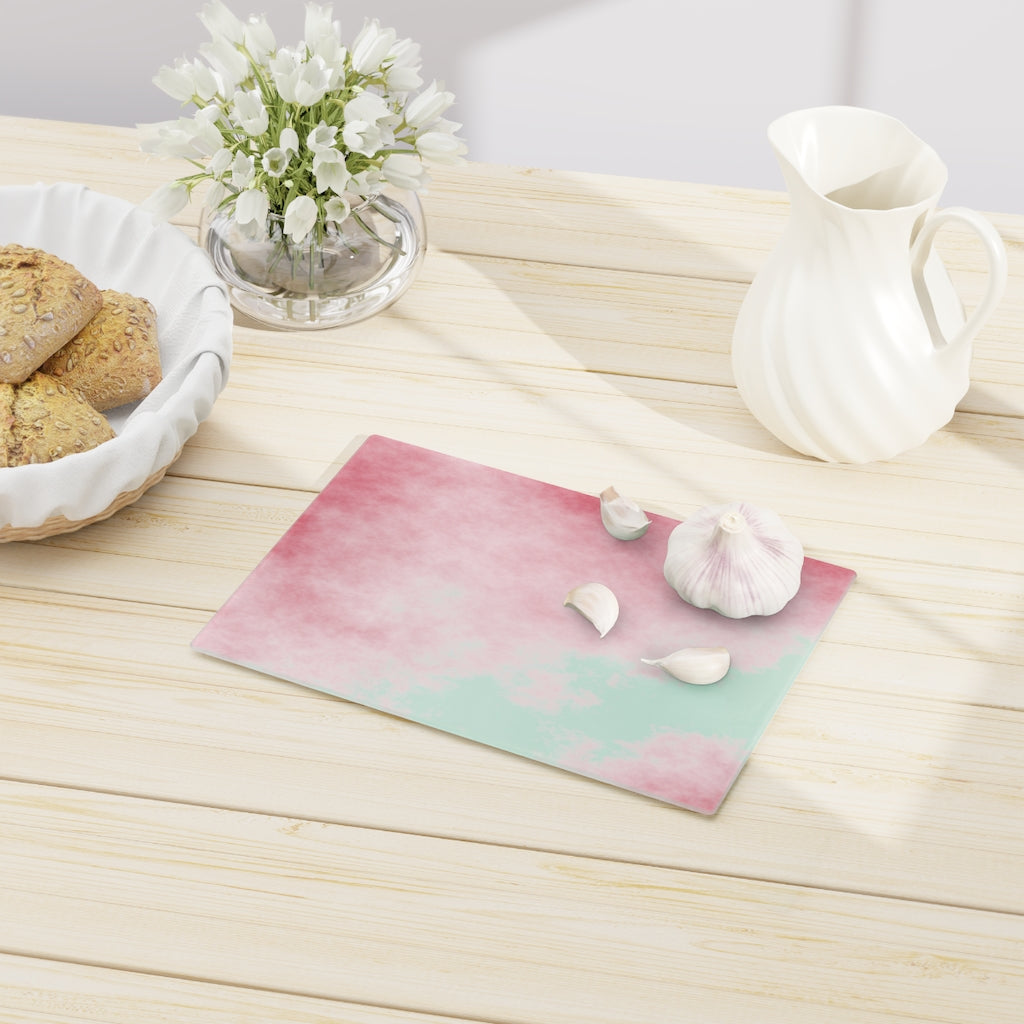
(119, 246)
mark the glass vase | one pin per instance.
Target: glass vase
(355, 269)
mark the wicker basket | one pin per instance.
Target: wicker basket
(118, 246)
(59, 524)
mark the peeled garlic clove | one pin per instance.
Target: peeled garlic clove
(595, 602)
(737, 559)
(623, 518)
(697, 665)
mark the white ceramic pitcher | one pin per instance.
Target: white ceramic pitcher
(851, 344)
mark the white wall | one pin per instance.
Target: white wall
(679, 89)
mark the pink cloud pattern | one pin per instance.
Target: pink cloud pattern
(685, 768)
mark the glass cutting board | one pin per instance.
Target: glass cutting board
(432, 588)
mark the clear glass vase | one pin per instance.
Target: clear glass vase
(356, 269)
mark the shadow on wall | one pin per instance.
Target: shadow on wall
(638, 87)
(667, 89)
(101, 57)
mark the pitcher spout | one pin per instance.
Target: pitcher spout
(857, 159)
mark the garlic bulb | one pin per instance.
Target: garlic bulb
(595, 602)
(697, 665)
(736, 558)
(623, 518)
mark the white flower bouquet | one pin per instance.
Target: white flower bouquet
(305, 132)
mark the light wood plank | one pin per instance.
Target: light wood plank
(52, 992)
(452, 928)
(595, 220)
(103, 157)
(620, 321)
(320, 405)
(573, 328)
(372, 382)
(505, 315)
(162, 721)
(575, 218)
(180, 544)
(542, 291)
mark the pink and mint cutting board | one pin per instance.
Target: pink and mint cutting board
(432, 588)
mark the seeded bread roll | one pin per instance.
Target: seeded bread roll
(115, 358)
(6, 423)
(42, 420)
(44, 302)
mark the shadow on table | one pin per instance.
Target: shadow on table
(923, 792)
(664, 344)
(998, 429)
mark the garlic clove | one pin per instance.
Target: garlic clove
(696, 665)
(595, 602)
(737, 559)
(623, 518)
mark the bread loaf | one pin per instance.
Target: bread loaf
(6, 423)
(44, 302)
(115, 358)
(42, 420)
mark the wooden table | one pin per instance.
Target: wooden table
(185, 840)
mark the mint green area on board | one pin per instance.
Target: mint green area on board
(605, 700)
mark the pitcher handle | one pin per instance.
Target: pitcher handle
(995, 250)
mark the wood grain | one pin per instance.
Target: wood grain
(54, 992)
(372, 917)
(183, 839)
(197, 730)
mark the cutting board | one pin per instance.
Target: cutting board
(433, 588)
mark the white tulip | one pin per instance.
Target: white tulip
(330, 171)
(249, 112)
(215, 195)
(322, 35)
(371, 47)
(440, 148)
(227, 60)
(167, 138)
(312, 82)
(318, 23)
(337, 209)
(285, 68)
(207, 84)
(207, 138)
(167, 200)
(221, 23)
(321, 137)
(366, 182)
(157, 138)
(360, 137)
(369, 107)
(444, 125)
(275, 161)
(258, 37)
(251, 207)
(188, 79)
(221, 161)
(428, 106)
(365, 130)
(299, 218)
(242, 170)
(185, 137)
(289, 141)
(405, 170)
(403, 75)
(176, 82)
